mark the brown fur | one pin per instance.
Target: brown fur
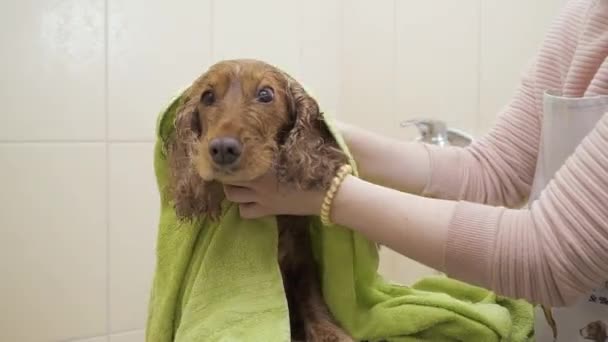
(287, 134)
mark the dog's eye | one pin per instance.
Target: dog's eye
(265, 95)
(208, 98)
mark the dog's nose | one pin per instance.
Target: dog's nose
(225, 151)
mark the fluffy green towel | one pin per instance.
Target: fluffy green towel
(221, 282)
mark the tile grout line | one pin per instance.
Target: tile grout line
(395, 61)
(479, 67)
(211, 30)
(340, 55)
(90, 337)
(341, 48)
(81, 141)
(300, 52)
(108, 324)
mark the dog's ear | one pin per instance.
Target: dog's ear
(192, 196)
(309, 156)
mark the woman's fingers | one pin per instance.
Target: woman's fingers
(257, 198)
(247, 201)
(266, 182)
(239, 194)
(252, 211)
(240, 184)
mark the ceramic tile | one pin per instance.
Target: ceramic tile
(134, 336)
(507, 50)
(52, 84)
(52, 241)
(265, 30)
(320, 40)
(156, 48)
(368, 65)
(134, 212)
(94, 339)
(401, 270)
(437, 61)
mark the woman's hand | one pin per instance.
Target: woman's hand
(265, 197)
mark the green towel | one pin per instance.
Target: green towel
(221, 282)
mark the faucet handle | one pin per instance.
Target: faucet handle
(459, 137)
(431, 131)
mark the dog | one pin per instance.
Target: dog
(595, 331)
(237, 121)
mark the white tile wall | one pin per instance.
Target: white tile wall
(94, 339)
(271, 34)
(52, 68)
(82, 82)
(53, 241)
(155, 47)
(368, 65)
(506, 49)
(134, 336)
(437, 60)
(319, 51)
(134, 204)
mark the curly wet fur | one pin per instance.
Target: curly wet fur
(192, 196)
(290, 137)
(310, 157)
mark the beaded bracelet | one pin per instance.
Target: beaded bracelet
(343, 171)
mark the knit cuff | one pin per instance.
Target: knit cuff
(471, 241)
(445, 176)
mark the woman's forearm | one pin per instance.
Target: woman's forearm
(389, 162)
(411, 225)
(550, 243)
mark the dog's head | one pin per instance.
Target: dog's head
(595, 331)
(236, 122)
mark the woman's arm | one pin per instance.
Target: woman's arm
(389, 162)
(411, 225)
(551, 254)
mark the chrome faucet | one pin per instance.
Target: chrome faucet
(436, 132)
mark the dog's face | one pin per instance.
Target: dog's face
(595, 331)
(237, 121)
(242, 112)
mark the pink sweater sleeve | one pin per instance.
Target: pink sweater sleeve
(557, 250)
(497, 169)
(553, 252)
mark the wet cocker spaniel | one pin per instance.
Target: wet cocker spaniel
(236, 122)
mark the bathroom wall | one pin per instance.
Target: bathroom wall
(81, 83)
